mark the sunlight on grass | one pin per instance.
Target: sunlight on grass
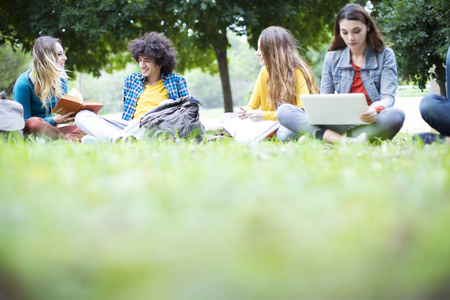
(220, 220)
(212, 112)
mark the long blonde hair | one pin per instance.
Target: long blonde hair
(46, 72)
(279, 50)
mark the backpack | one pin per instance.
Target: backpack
(176, 119)
(11, 114)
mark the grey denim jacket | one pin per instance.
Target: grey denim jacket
(379, 75)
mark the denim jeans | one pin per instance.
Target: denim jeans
(388, 124)
(284, 134)
(435, 110)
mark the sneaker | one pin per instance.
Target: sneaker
(429, 138)
(88, 139)
(302, 139)
(360, 139)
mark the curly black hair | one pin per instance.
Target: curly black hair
(157, 46)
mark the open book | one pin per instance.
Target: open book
(73, 101)
(245, 131)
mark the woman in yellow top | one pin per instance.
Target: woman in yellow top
(284, 76)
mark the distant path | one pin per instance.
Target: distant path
(413, 121)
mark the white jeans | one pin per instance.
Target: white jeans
(105, 129)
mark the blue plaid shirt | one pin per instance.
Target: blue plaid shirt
(174, 83)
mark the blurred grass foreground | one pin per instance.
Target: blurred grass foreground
(152, 220)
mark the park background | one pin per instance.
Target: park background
(215, 41)
(221, 220)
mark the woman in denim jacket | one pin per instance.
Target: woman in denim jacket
(358, 61)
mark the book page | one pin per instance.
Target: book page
(245, 131)
(73, 102)
(75, 93)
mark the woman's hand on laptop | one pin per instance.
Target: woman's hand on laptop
(370, 116)
(255, 115)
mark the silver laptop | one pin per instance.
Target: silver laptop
(334, 109)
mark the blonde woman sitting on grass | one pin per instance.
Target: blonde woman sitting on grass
(39, 89)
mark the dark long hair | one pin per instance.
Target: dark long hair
(356, 12)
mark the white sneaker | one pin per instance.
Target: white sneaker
(302, 139)
(88, 139)
(360, 139)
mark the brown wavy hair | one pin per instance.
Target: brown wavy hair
(355, 12)
(281, 58)
(157, 46)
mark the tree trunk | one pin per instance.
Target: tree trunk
(80, 83)
(440, 74)
(221, 55)
(442, 88)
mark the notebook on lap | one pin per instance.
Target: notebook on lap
(334, 109)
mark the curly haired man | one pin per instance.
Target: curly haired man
(142, 92)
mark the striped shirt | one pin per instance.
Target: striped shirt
(174, 83)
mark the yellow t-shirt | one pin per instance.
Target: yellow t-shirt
(150, 98)
(259, 96)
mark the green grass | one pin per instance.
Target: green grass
(411, 91)
(152, 220)
(213, 112)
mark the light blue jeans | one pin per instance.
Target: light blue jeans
(284, 134)
(388, 124)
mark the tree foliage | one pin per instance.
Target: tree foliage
(13, 64)
(244, 69)
(205, 22)
(96, 32)
(419, 31)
